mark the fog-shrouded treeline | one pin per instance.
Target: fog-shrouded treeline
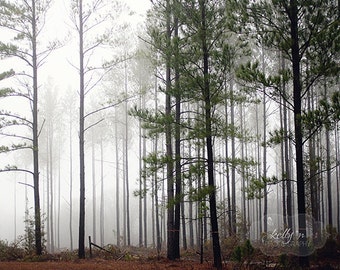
(206, 121)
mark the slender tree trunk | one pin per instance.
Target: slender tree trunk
(158, 233)
(145, 202)
(153, 221)
(200, 212)
(313, 172)
(264, 167)
(59, 202)
(258, 201)
(51, 203)
(71, 182)
(81, 237)
(171, 253)
(337, 156)
(329, 178)
(283, 164)
(226, 141)
(94, 199)
(117, 180)
(288, 182)
(190, 186)
(127, 162)
(140, 198)
(37, 214)
(102, 217)
(209, 141)
(48, 199)
(184, 231)
(178, 184)
(297, 92)
(329, 172)
(124, 196)
(233, 169)
(243, 174)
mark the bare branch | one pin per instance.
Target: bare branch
(109, 106)
(25, 184)
(96, 123)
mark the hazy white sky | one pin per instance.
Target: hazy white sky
(140, 6)
(57, 67)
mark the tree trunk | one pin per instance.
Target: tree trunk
(37, 214)
(329, 178)
(102, 217)
(243, 175)
(140, 198)
(59, 201)
(264, 167)
(48, 199)
(233, 169)
(226, 141)
(337, 156)
(313, 178)
(282, 148)
(158, 233)
(94, 199)
(287, 182)
(145, 202)
(171, 253)
(117, 180)
(127, 163)
(71, 182)
(329, 172)
(81, 237)
(209, 142)
(297, 92)
(178, 169)
(190, 186)
(51, 176)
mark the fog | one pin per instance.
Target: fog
(59, 74)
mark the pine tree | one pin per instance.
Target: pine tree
(26, 21)
(304, 33)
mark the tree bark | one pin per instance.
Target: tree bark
(102, 217)
(37, 214)
(208, 138)
(178, 169)
(127, 162)
(94, 191)
(117, 180)
(81, 237)
(297, 91)
(171, 254)
(71, 181)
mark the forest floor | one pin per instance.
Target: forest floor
(96, 264)
(103, 265)
(147, 259)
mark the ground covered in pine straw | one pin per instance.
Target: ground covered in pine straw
(94, 264)
(130, 258)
